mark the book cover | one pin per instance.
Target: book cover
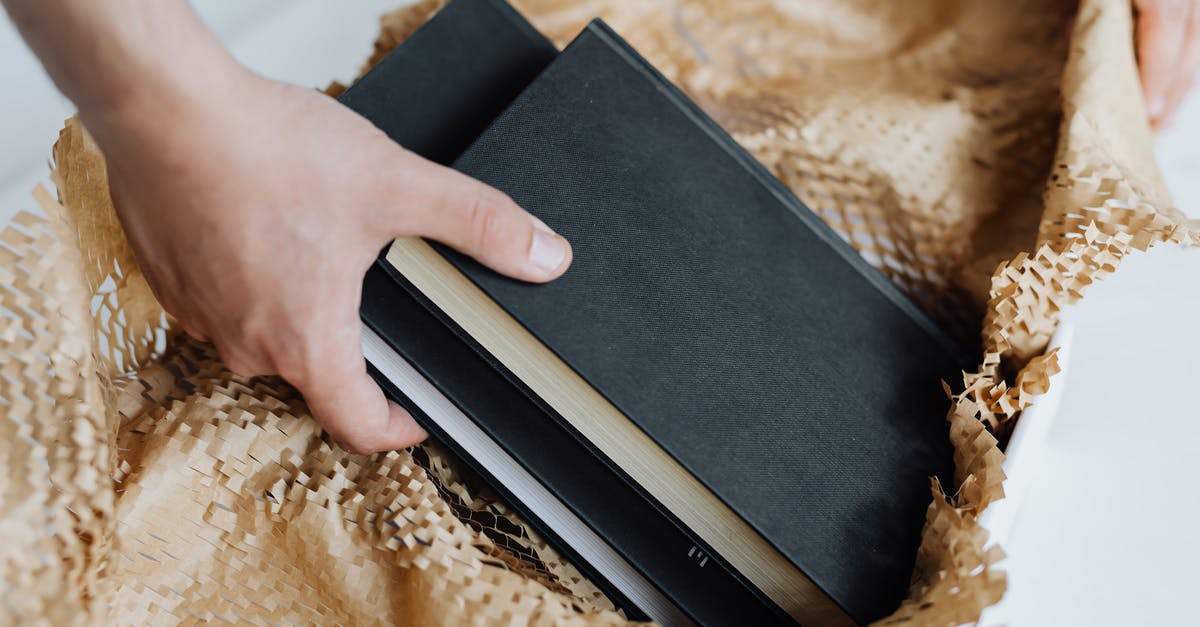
(719, 316)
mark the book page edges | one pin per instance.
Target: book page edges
(612, 433)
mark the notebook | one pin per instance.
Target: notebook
(721, 413)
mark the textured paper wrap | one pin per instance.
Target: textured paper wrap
(986, 166)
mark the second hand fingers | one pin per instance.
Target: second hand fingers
(1188, 62)
(1161, 29)
(343, 397)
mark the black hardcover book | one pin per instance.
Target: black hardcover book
(721, 413)
(447, 81)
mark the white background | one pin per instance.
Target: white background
(1107, 533)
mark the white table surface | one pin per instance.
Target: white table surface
(1105, 536)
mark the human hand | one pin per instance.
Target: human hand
(1168, 50)
(255, 210)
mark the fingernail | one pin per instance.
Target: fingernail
(548, 249)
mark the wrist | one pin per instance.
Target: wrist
(144, 107)
(129, 66)
(137, 94)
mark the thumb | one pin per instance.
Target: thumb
(481, 221)
(347, 403)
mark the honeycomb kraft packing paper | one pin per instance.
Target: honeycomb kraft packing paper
(990, 167)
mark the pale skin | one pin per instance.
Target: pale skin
(1168, 49)
(255, 207)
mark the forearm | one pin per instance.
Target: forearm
(119, 59)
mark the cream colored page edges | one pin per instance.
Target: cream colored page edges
(612, 433)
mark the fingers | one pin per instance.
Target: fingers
(327, 366)
(1162, 31)
(477, 220)
(1189, 60)
(345, 400)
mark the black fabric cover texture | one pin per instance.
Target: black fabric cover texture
(482, 52)
(724, 318)
(442, 85)
(705, 301)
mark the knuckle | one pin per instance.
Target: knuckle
(296, 370)
(243, 365)
(292, 371)
(302, 358)
(484, 221)
(285, 336)
(285, 348)
(240, 359)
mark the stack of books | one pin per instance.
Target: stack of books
(721, 413)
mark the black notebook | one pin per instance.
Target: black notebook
(720, 413)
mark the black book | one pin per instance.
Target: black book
(720, 413)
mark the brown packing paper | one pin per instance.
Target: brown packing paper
(963, 148)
